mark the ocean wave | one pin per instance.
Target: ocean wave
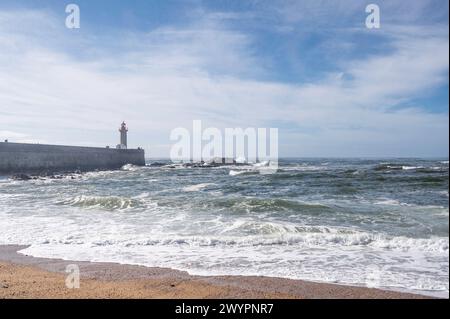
(391, 202)
(303, 168)
(104, 202)
(267, 233)
(130, 167)
(174, 166)
(96, 174)
(390, 166)
(274, 228)
(430, 180)
(379, 261)
(405, 167)
(196, 187)
(445, 193)
(252, 204)
(316, 237)
(256, 168)
(435, 244)
(236, 234)
(438, 210)
(243, 172)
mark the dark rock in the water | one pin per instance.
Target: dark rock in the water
(222, 161)
(48, 175)
(156, 164)
(215, 162)
(22, 177)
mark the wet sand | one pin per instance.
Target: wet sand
(29, 277)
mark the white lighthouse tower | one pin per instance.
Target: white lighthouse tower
(123, 136)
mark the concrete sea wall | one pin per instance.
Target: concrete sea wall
(18, 157)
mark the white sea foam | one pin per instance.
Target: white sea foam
(196, 187)
(391, 202)
(304, 168)
(304, 252)
(234, 172)
(262, 164)
(211, 256)
(406, 168)
(243, 172)
(130, 167)
(255, 168)
(296, 228)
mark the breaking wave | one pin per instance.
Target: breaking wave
(406, 167)
(130, 167)
(104, 202)
(243, 172)
(266, 205)
(197, 187)
(310, 239)
(277, 235)
(388, 167)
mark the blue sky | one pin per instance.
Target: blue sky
(310, 68)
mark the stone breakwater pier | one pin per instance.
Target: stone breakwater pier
(40, 158)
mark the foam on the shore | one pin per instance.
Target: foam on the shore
(315, 221)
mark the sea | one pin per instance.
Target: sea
(366, 222)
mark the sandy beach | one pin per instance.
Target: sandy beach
(28, 277)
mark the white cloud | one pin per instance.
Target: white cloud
(169, 77)
(18, 137)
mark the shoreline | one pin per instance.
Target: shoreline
(23, 276)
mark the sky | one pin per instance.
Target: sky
(311, 68)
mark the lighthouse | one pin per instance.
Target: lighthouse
(123, 136)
